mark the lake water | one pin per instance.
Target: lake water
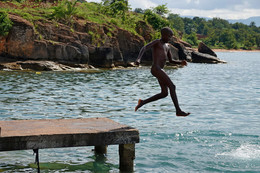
(222, 134)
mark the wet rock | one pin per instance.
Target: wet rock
(40, 66)
(10, 66)
(33, 65)
(183, 53)
(198, 57)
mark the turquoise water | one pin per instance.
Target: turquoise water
(222, 134)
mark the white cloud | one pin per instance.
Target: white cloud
(197, 2)
(194, 1)
(221, 13)
(94, 1)
(143, 4)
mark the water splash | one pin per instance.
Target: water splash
(245, 151)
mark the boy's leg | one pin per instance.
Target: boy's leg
(166, 81)
(164, 93)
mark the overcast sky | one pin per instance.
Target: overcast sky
(225, 9)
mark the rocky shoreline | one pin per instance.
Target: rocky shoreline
(45, 46)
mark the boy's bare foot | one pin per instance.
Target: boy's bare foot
(182, 114)
(139, 104)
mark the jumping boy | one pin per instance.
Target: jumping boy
(160, 51)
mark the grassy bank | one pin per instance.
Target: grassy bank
(216, 33)
(66, 12)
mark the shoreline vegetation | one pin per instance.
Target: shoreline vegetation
(70, 35)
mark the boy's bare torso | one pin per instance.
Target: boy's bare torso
(160, 52)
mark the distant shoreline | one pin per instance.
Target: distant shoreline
(234, 50)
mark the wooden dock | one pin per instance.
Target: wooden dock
(57, 133)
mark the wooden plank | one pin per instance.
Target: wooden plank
(53, 133)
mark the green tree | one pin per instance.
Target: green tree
(191, 38)
(116, 7)
(238, 26)
(139, 10)
(252, 24)
(248, 44)
(240, 35)
(228, 39)
(65, 10)
(155, 20)
(198, 20)
(219, 23)
(257, 40)
(161, 10)
(212, 39)
(176, 22)
(189, 25)
(202, 28)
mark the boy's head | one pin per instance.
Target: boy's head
(166, 30)
(166, 34)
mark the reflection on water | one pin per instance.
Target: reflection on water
(222, 134)
(97, 165)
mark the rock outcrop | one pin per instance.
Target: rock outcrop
(102, 57)
(182, 48)
(203, 48)
(84, 43)
(198, 57)
(87, 43)
(205, 55)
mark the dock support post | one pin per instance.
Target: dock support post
(127, 156)
(101, 149)
(37, 161)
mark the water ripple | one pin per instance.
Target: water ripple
(222, 134)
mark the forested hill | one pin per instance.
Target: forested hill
(216, 33)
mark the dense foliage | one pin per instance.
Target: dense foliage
(216, 32)
(5, 24)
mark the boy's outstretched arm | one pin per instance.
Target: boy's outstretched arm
(138, 59)
(146, 47)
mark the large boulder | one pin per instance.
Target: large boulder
(41, 65)
(203, 48)
(174, 52)
(183, 52)
(198, 57)
(20, 40)
(22, 43)
(46, 50)
(83, 55)
(129, 44)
